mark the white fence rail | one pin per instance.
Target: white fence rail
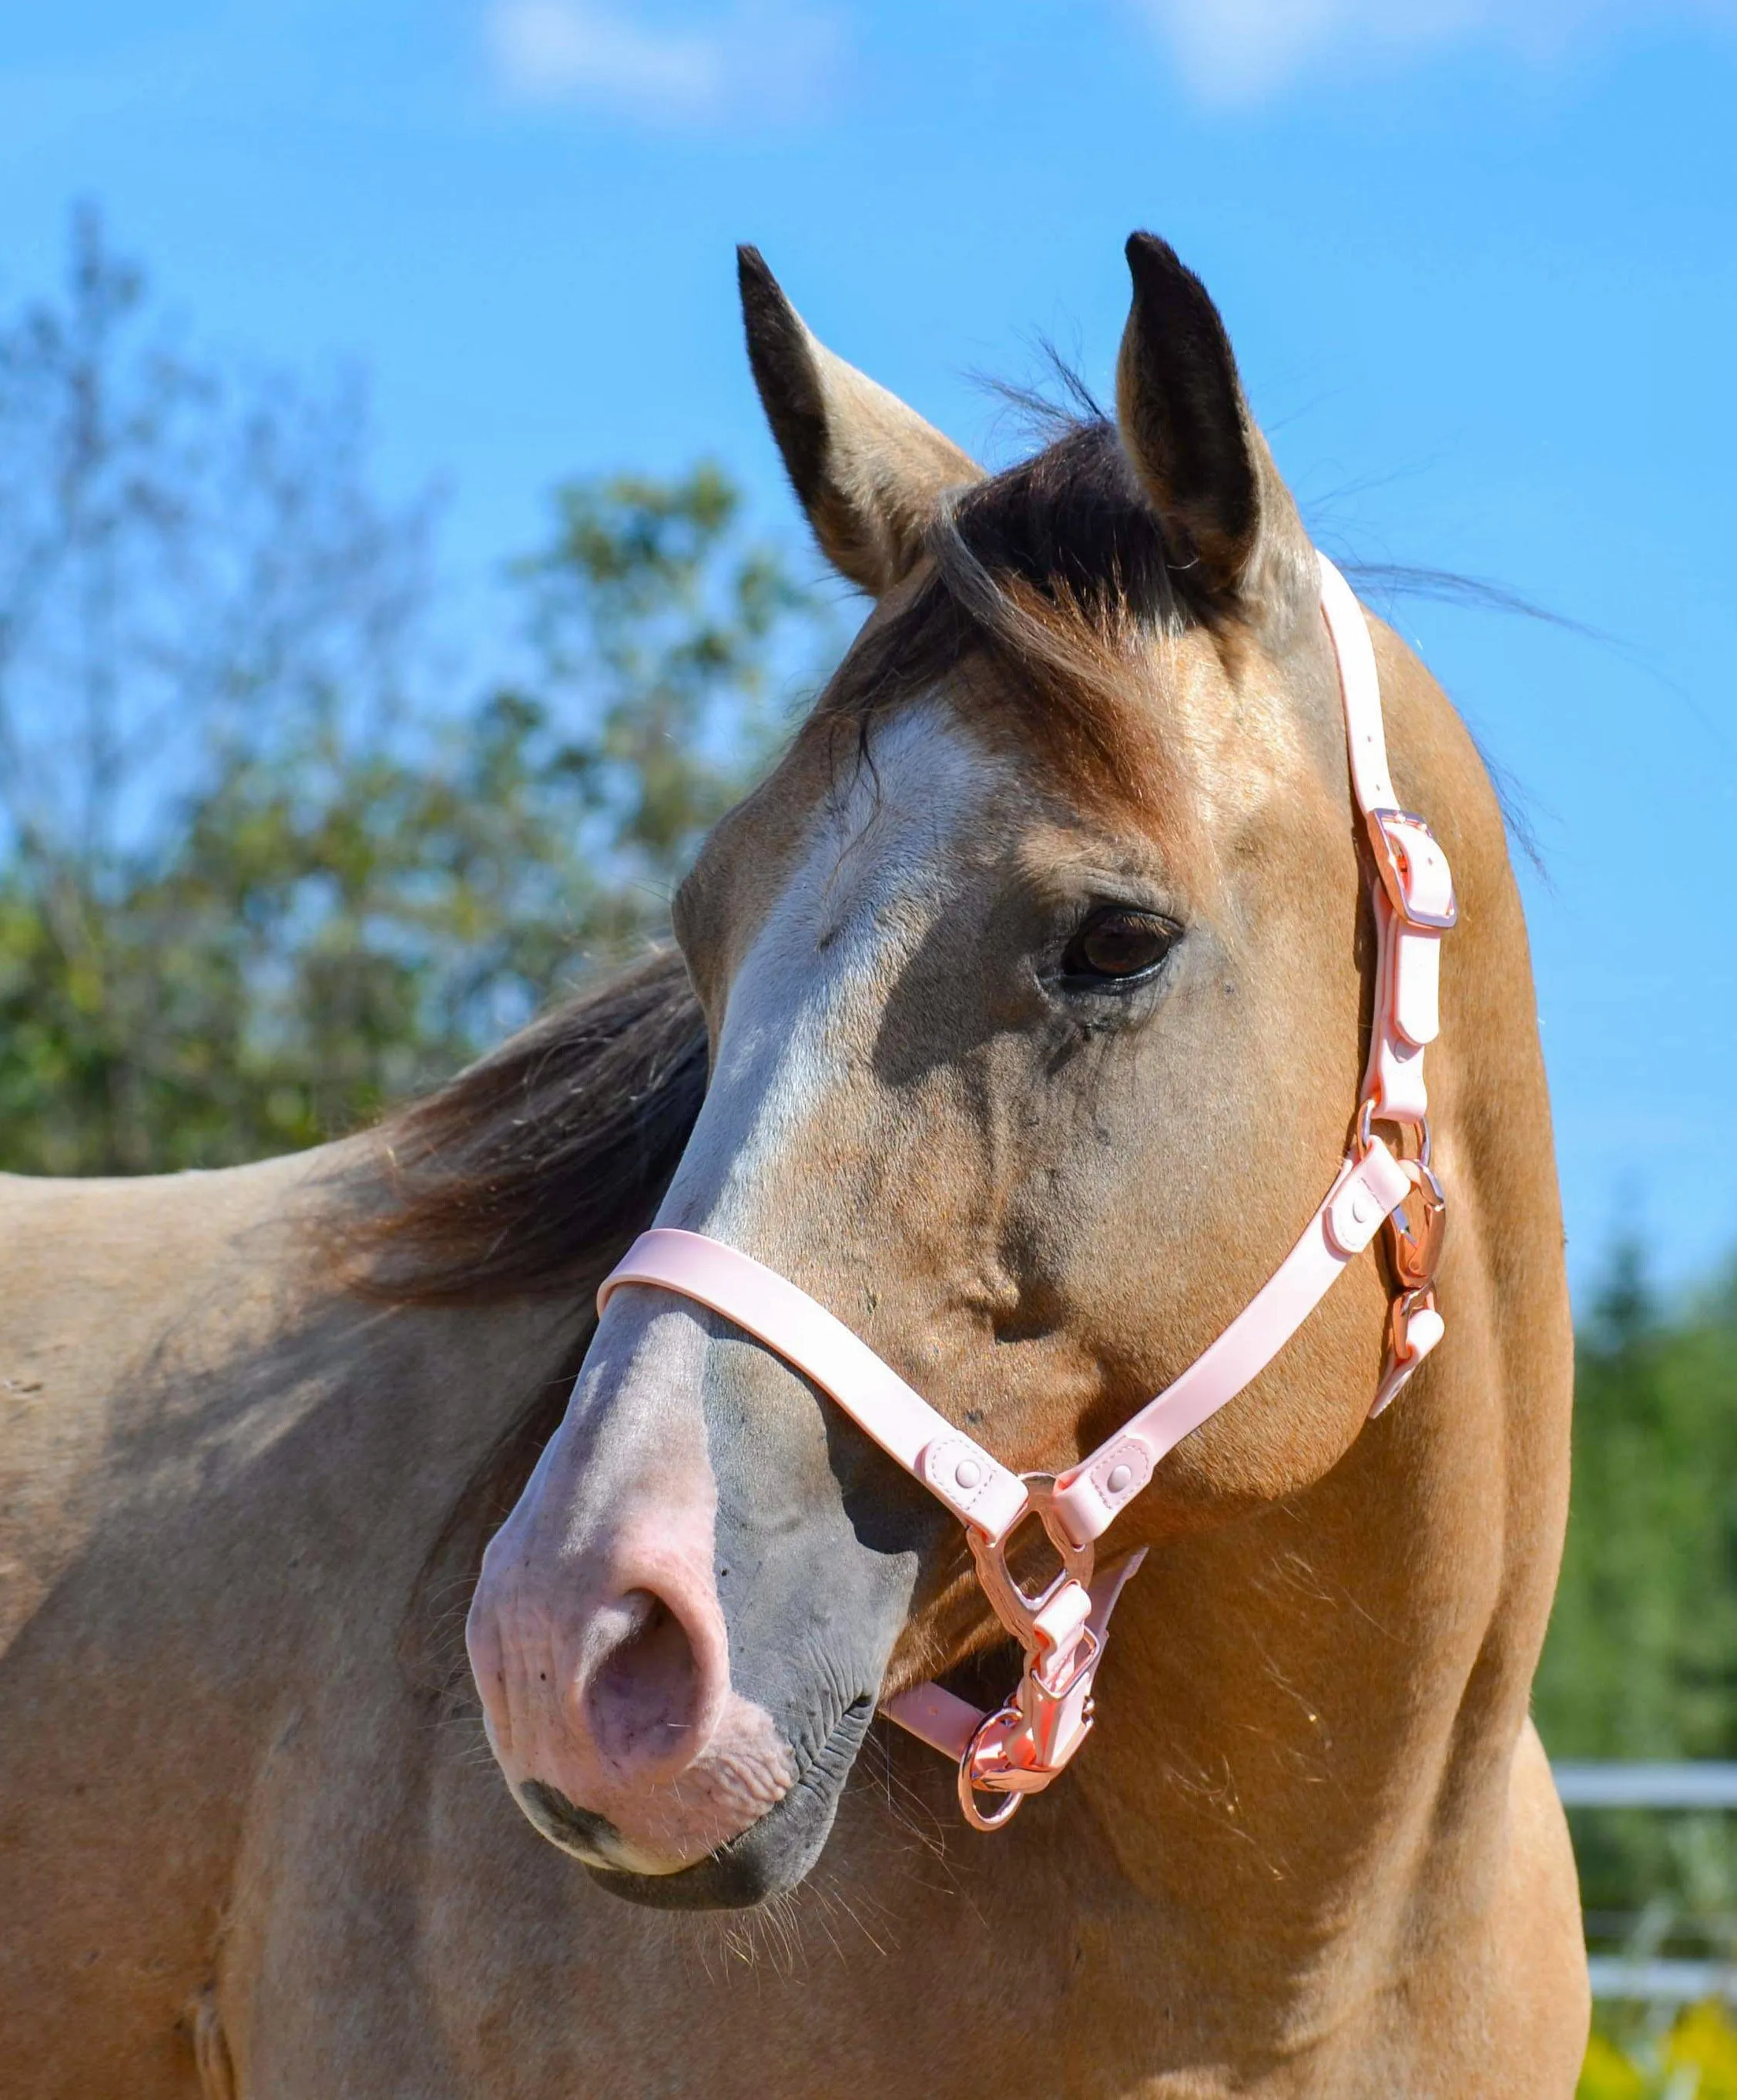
(1646, 1786)
(1659, 1980)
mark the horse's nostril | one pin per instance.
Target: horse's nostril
(642, 1696)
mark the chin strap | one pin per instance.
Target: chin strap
(1061, 1626)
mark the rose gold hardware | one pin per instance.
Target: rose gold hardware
(1419, 1226)
(1393, 864)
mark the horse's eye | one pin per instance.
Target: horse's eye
(1117, 946)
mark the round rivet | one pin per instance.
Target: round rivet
(1119, 1478)
(967, 1473)
(1362, 1206)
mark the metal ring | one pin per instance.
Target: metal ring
(968, 1789)
(1369, 1114)
(974, 1815)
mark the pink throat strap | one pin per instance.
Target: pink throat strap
(1061, 1627)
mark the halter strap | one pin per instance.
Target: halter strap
(1062, 1628)
(977, 1489)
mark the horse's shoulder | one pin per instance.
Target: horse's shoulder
(119, 1299)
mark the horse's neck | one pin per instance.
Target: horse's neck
(398, 1433)
(1291, 1691)
(441, 1414)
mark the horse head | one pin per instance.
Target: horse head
(1037, 979)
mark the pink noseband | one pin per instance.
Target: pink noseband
(1061, 1628)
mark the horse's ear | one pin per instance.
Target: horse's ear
(1186, 426)
(868, 470)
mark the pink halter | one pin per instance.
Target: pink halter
(1061, 1628)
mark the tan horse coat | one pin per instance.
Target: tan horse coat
(252, 1844)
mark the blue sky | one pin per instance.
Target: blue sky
(1478, 261)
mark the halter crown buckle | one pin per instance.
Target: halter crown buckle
(1400, 840)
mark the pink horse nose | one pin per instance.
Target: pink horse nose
(604, 1674)
(599, 1642)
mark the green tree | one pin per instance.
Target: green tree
(646, 609)
(260, 873)
(1642, 1659)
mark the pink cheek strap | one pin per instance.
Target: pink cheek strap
(1061, 1627)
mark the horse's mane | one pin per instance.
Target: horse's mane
(529, 1171)
(525, 1172)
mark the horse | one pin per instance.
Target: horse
(1016, 1022)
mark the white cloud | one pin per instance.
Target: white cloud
(1239, 51)
(756, 59)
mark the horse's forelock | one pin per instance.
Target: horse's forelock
(1044, 587)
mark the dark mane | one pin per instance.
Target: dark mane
(529, 1171)
(1071, 524)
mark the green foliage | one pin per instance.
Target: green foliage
(260, 873)
(1642, 1659)
(644, 607)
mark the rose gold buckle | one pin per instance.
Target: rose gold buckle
(1370, 1112)
(1403, 1355)
(1016, 1608)
(1086, 1649)
(1405, 1306)
(1418, 1228)
(983, 1769)
(1392, 863)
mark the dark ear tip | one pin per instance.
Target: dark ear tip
(1145, 249)
(1154, 265)
(757, 285)
(1166, 289)
(765, 308)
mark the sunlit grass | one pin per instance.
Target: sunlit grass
(1694, 2057)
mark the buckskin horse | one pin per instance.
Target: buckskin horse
(1068, 967)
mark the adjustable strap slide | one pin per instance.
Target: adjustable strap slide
(1415, 904)
(950, 1724)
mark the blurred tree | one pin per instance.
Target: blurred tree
(645, 614)
(257, 876)
(1641, 1658)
